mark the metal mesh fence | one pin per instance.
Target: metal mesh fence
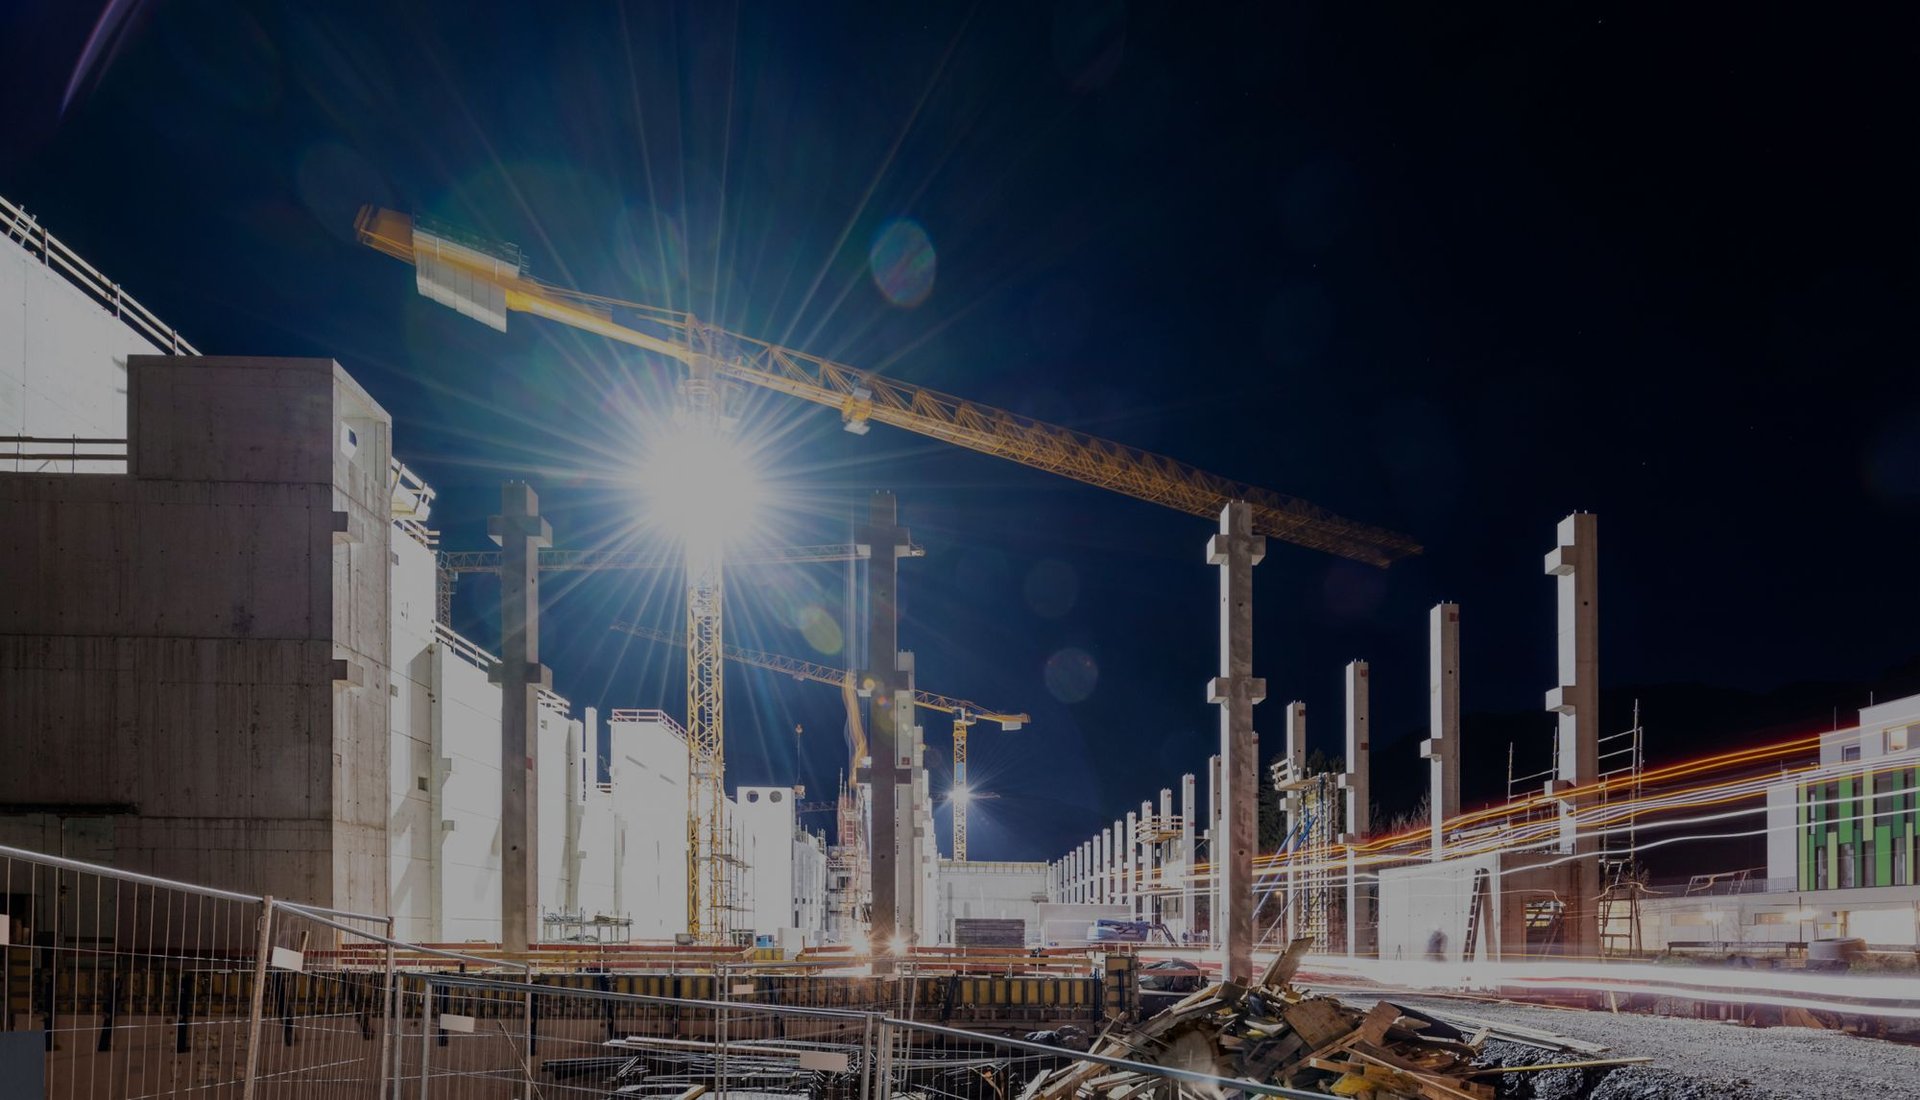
(138, 987)
(130, 986)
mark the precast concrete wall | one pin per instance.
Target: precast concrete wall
(197, 650)
(763, 827)
(650, 799)
(63, 359)
(413, 833)
(467, 759)
(1002, 891)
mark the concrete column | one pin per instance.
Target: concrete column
(1442, 749)
(1359, 794)
(1090, 860)
(1104, 869)
(1161, 855)
(1130, 865)
(1189, 834)
(1115, 836)
(1291, 804)
(1236, 550)
(521, 532)
(892, 861)
(1214, 845)
(1576, 699)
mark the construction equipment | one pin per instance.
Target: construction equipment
(486, 281)
(965, 714)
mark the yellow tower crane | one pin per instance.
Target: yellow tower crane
(965, 714)
(488, 281)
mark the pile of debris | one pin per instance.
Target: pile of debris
(1272, 1033)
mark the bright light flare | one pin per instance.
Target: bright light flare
(961, 794)
(897, 945)
(700, 485)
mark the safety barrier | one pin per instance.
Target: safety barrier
(133, 986)
(17, 225)
(138, 986)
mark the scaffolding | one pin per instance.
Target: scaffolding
(1304, 867)
(1616, 814)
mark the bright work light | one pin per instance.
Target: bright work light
(699, 485)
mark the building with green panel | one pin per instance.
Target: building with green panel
(1856, 816)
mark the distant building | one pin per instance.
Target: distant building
(1854, 823)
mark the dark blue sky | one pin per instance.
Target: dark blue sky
(1452, 272)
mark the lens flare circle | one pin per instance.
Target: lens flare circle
(903, 262)
(1071, 675)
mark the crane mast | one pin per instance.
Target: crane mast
(709, 908)
(962, 794)
(965, 714)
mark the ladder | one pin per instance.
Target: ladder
(1478, 906)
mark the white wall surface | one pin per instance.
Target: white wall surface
(63, 358)
(650, 799)
(1002, 891)
(1420, 899)
(810, 887)
(412, 829)
(763, 829)
(467, 748)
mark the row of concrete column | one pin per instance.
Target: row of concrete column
(1123, 865)
(1104, 870)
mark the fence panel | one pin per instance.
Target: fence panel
(141, 987)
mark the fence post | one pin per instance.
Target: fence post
(386, 1009)
(426, 1033)
(256, 998)
(533, 1024)
(866, 1060)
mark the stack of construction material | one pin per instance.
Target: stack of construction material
(1272, 1033)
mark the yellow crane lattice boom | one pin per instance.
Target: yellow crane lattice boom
(862, 398)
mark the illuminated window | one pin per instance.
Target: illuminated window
(1897, 738)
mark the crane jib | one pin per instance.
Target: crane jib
(493, 275)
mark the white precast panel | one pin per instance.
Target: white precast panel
(413, 831)
(467, 748)
(63, 357)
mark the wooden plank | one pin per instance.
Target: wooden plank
(1287, 964)
(1591, 1063)
(1373, 1029)
(1318, 1020)
(1437, 1086)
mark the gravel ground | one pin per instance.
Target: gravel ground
(1695, 1059)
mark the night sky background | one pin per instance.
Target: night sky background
(1452, 272)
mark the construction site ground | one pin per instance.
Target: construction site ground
(1691, 1058)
